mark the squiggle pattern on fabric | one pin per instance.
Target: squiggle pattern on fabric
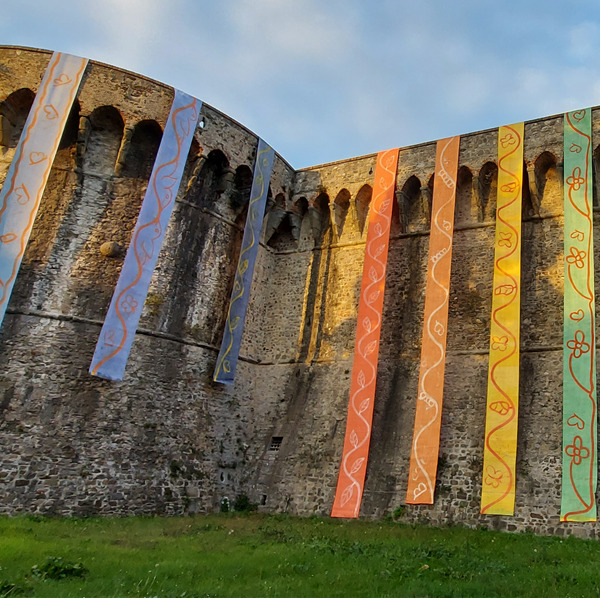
(500, 450)
(579, 457)
(353, 468)
(122, 318)
(240, 296)
(426, 435)
(29, 171)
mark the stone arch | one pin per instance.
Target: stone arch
(362, 203)
(466, 208)
(275, 219)
(141, 151)
(340, 207)
(320, 217)
(13, 114)
(240, 194)
(105, 133)
(529, 209)
(547, 188)
(488, 191)
(412, 210)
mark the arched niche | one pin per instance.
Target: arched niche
(104, 140)
(274, 218)
(548, 184)
(488, 191)
(466, 209)
(412, 209)
(321, 220)
(530, 206)
(242, 187)
(141, 152)
(363, 202)
(341, 205)
(13, 114)
(210, 183)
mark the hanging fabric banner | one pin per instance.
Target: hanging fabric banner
(428, 416)
(29, 171)
(579, 462)
(353, 468)
(122, 318)
(500, 450)
(236, 314)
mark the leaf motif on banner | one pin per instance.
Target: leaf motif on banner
(384, 205)
(361, 379)
(576, 421)
(354, 439)
(7, 238)
(226, 366)
(367, 324)
(373, 296)
(356, 465)
(243, 266)
(346, 495)
(234, 323)
(370, 348)
(373, 275)
(364, 405)
(378, 230)
(378, 251)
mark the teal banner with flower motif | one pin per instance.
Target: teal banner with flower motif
(579, 474)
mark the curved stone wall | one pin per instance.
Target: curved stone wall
(167, 439)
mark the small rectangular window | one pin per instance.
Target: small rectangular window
(275, 444)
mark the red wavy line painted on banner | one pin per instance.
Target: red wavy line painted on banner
(574, 184)
(364, 371)
(511, 338)
(141, 253)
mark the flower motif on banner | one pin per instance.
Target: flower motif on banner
(577, 451)
(129, 304)
(575, 180)
(578, 345)
(576, 257)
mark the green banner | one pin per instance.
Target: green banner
(579, 343)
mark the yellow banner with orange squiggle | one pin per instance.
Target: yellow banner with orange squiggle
(500, 450)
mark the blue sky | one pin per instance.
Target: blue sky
(324, 80)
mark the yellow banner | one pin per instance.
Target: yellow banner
(500, 451)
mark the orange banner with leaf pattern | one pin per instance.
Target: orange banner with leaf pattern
(353, 469)
(428, 416)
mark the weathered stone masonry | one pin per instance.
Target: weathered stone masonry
(169, 440)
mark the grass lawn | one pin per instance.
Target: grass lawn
(253, 555)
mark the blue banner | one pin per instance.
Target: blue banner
(122, 318)
(236, 315)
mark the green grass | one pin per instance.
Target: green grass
(258, 555)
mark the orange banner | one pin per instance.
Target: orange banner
(353, 469)
(428, 417)
(500, 451)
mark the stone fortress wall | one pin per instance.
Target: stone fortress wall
(167, 439)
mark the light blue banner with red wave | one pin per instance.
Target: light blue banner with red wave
(29, 171)
(122, 318)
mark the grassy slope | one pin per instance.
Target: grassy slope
(258, 555)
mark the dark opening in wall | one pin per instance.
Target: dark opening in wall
(341, 204)
(13, 114)
(141, 153)
(275, 444)
(363, 201)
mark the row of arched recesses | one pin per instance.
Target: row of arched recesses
(475, 202)
(94, 195)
